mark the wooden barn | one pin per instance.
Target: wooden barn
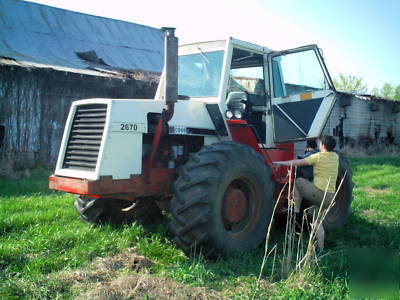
(363, 120)
(50, 57)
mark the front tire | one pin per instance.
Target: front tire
(115, 211)
(222, 200)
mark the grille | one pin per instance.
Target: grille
(85, 137)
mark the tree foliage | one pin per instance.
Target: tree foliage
(350, 84)
(397, 93)
(387, 91)
(355, 85)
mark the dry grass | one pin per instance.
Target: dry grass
(127, 276)
(369, 212)
(373, 192)
(142, 286)
(7, 169)
(19, 165)
(128, 259)
(373, 150)
(299, 251)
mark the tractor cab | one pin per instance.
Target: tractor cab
(284, 96)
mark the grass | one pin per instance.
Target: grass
(376, 205)
(42, 240)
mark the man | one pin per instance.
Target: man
(326, 166)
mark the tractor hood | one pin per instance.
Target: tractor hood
(104, 137)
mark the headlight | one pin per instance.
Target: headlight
(229, 114)
(237, 114)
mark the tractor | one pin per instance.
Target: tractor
(203, 149)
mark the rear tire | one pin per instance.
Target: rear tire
(115, 211)
(222, 200)
(338, 214)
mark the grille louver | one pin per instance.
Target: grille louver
(85, 137)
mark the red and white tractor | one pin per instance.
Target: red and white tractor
(203, 148)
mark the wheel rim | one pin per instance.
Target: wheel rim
(239, 209)
(126, 207)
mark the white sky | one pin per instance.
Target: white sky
(357, 36)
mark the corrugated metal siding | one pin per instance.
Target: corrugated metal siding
(52, 36)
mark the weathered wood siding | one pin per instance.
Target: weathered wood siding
(363, 120)
(34, 105)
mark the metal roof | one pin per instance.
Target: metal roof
(366, 97)
(54, 37)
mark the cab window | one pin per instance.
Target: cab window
(297, 73)
(246, 97)
(199, 74)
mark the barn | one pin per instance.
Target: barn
(50, 57)
(364, 120)
(360, 121)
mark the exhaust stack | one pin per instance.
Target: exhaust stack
(171, 65)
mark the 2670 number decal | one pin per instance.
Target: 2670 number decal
(129, 127)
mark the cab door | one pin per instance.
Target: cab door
(302, 93)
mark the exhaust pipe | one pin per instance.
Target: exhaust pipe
(171, 65)
(170, 90)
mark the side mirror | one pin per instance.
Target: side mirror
(236, 100)
(236, 103)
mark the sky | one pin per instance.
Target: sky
(358, 37)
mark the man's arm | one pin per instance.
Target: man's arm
(294, 162)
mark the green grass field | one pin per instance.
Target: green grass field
(46, 252)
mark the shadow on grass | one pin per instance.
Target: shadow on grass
(358, 233)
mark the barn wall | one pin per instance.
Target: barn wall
(364, 122)
(358, 125)
(34, 105)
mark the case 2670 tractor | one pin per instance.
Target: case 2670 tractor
(203, 148)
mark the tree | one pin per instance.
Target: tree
(350, 84)
(387, 91)
(355, 85)
(397, 93)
